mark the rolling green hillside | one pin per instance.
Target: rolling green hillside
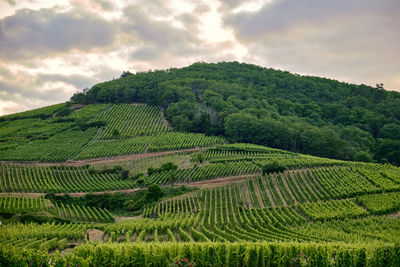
(314, 211)
(97, 182)
(247, 103)
(59, 133)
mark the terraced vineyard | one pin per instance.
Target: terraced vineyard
(132, 120)
(92, 131)
(20, 204)
(312, 212)
(15, 178)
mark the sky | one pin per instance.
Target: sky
(50, 49)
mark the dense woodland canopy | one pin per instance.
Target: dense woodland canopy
(247, 103)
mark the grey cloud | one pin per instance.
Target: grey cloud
(30, 34)
(11, 2)
(145, 53)
(355, 41)
(105, 4)
(11, 91)
(79, 81)
(230, 4)
(157, 38)
(281, 15)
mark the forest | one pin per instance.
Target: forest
(247, 103)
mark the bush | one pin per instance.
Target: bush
(272, 167)
(167, 166)
(64, 112)
(153, 193)
(124, 174)
(115, 133)
(199, 157)
(137, 176)
(363, 156)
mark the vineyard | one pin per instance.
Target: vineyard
(92, 131)
(132, 120)
(15, 178)
(308, 211)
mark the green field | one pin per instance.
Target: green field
(92, 131)
(217, 205)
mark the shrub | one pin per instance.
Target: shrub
(272, 167)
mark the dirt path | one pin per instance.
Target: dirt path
(94, 235)
(79, 163)
(19, 194)
(396, 215)
(246, 194)
(306, 183)
(165, 122)
(292, 176)
(81, 194)
(271, 199)
(278, 190)
(123, 218)
(288, 188)
(260, 201)
(317, 182)
(218, 181)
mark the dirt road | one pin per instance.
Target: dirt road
(78, 163)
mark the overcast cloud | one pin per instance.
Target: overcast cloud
(51, 49)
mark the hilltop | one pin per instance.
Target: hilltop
(204, 163)
(247, 103)
(240, 102)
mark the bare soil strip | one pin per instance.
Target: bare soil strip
(396, 215)
(81, 194)
(218, 181)
(316, 180)
(164, 120)
(261, 203)
(247, 196)
(292, 176)
(18, 194)
(278, 190)
(94, 235)
(306, 183)
(268, 192)
(122, 218)
(79, 163)
(288, 189)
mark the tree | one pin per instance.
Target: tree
(199, 157)
(153, 193)
(363, 156)
(115, 133)
(124, 174)
(391, 131)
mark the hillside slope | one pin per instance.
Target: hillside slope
(314, 211)
(109, 183)
(248, 103)
(73, 132)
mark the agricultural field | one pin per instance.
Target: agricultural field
(206, 202)
(60, 133)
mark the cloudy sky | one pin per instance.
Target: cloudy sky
(49, 49)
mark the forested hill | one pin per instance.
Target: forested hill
(247, 103)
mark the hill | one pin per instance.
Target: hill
(247, 103)
(72, 132)
(161, 181)
(233, 204)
